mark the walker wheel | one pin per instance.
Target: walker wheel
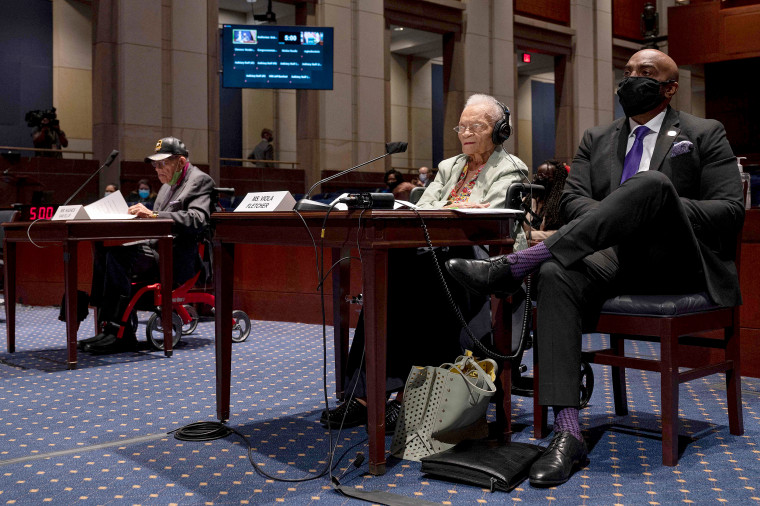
(189, 328)
(155, 332)
(241, 326)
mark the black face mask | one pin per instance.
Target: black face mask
(393, 184)
(640, 94)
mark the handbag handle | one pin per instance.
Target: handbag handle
(481, 374)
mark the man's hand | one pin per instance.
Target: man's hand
(140, 211)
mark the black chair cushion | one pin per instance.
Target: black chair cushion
(659, 305)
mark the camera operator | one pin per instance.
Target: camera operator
(47, 133)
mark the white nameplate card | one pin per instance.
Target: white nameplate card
(70, 213)
(266, 201)
(111, 207)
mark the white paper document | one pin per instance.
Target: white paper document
(488, 210)
(111, 207)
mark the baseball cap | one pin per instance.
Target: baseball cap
(166, 147)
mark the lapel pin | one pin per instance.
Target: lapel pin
(672, 133)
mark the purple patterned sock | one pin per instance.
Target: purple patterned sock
(527, 261)
(566, 420)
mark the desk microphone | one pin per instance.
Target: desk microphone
(108, 163)
(310, 205)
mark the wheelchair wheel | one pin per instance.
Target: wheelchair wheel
(241, 328)
(155, 332)
(587, 384)
(189, 328)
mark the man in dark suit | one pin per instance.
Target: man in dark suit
(185, 198)
(652, 204)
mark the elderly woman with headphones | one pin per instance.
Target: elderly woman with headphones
(480, 176)
(422, 326)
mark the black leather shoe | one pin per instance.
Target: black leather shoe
(112, 344)
(485, 277)
(355, 413)
(564, 455)
(82, 343)
(392, 412)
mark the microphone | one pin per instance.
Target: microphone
(108, 163)
(305, 204)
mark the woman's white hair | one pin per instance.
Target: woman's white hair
(494, 110)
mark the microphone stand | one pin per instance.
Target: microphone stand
(306, 204)
(108, 163)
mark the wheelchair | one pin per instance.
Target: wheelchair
(185, 317)
(519, 196)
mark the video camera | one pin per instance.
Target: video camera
(34, 118)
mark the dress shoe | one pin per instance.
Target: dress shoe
(485, 277)
(112, 344)
(350, 414)
(82, 343)
(564, 455)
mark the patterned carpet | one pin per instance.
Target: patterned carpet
(98, 434)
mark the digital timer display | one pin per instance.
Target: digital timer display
(32, 213)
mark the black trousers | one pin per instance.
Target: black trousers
(114, 269)
(422, 327)
(637, 240)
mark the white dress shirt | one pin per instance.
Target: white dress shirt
(650, 139)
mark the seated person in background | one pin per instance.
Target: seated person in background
(143, 194)
(403, 191)
(544, 218)
(652, 205)
(392, 179)
(185, 198)
(424, 177)
(479, 177)
(110, 189)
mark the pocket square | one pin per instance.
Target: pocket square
(680, 148)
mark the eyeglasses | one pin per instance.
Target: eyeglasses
(161, 163)
(475, 128)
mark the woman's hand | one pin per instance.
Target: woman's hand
(465, 205)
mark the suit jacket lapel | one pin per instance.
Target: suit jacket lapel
(618, 143)
(665, 141)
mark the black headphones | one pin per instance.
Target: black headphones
(503, 128)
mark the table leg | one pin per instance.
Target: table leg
(9, 252)
(375, 269)
(70, 250)
(341, 316)
(224, 262)
(502, 331)
(167, 283)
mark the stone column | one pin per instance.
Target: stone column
(154, 74)
(346, 125)
(483, 61)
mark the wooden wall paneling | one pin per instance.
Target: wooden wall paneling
(556, 11)
(626, 19)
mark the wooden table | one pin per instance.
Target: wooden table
(373, 233)
(68, 234)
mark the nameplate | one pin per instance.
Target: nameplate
(70, 213)
(266, 201)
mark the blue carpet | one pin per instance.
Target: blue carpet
(98, 434)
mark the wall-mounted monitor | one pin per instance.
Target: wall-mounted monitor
(266, 56)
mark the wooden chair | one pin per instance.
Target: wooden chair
(673, 321)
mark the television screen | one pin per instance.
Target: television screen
(266, 56)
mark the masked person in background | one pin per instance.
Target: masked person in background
(652, 204)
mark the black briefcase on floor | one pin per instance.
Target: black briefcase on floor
(484, 463)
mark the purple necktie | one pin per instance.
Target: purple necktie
(633, 158)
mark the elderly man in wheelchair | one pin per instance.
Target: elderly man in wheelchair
(186, 198)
